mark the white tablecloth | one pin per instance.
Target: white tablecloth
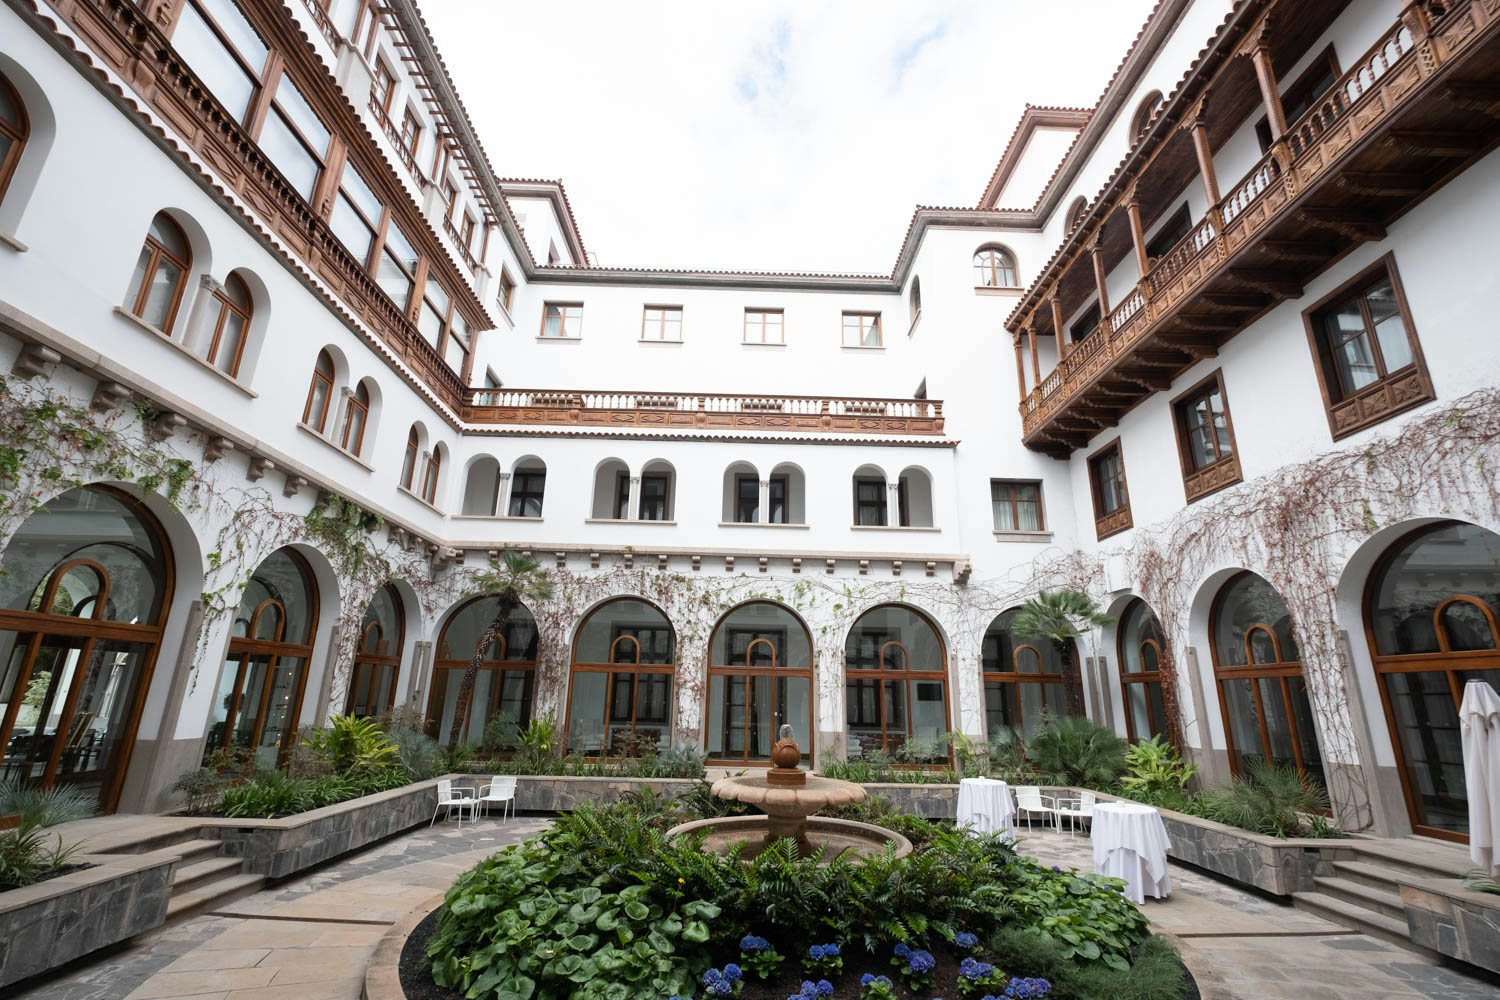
(984, 804)
(1130, 842)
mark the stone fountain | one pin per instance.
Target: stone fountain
(791, 799)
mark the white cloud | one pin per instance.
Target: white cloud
(767, 136)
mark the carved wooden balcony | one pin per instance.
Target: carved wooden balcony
(674, 411)
(1412, 113)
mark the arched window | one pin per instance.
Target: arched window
(528, 487)
(377, 656)
(759, 679)
(1145, 114)
(507, 674)
(431, 473)
(319, 394)
(870, 502)
(1075, 214)
(895, 686)
(356, 416)
(231, 312)
(1267, 714)
(15, 128)
(995, 267)
(914, 498)
(1023, 680)
(260, 693)
(409, 462)
(482, 488)
(620, 696)
(916, 300)
(161, 274)
(1142, 649)
(1431, 615)
(84, 587)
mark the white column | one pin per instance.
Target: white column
(336, 424)
(763, 509)
(893, 504)
(502, 494)
(634, 513)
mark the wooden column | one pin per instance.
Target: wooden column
(1036, 366)
(1205, 161)
(1020, 371)
(1097, 252)
(1138, 236)
(1063, 344)
(1265, 75)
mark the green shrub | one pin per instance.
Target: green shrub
(420, 754)
(1155, 770)
(39, 806)
(1155, 973)
(28, 855)
(683, 760)
(1269, 799)
(354, 746)
(501, 733)
(538, 742)
(1074, 751)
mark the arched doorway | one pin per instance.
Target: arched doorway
(507, 674)
(1023, 681)
(895, 683)
(1141, 651)
(377, 657)
(1430, 616)
(620, 692)
(759, 679)
(1267, 714)
(259, 701)
(84, 590)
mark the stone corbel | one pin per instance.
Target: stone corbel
(796, 564)
(33, 360)
(109, 396)
(593, 560)
(864, 567)
(165, 425)
(562, 560)
(729, 564)
(961, 570)
(832, 565)
(697, 564)
(931, 568)
(628, 559)
(294, 485)
(216, 448)
(763, 562)
(661, 562)
(895, 567)
(210, 284)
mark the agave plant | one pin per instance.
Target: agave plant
(1269, 799)
(1074, 751)
(37, 806)
(1060, 617)
(512, 578)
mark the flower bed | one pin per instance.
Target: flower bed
(605, 907)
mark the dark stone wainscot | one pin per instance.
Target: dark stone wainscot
(1444, 916)
(47, 924)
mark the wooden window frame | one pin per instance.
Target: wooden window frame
(635, 669)
(1011, 680)
(883, 504)
(661, 324)
(507, 289)
(1391, 393)
(761, 316)
(1107, 523)
(740, 481)
(562, 322)
(374, 660)
(785, 482)
(1041, 510)
(160, 253)
(411, 137)
(997, 260)
(861, 327)
(1145, 115)
(226, 306)
(1177, 225)
(1224, 471)
(328, 380)
(431, 471)
(749, 670)
(448, 667)
(410, 459)
(520, 479)
(666, 480)
(18, 133)
(362, 406)
(621, 506)
(1301, 89)
(905, 674)
(381, 99)
(1145, 678)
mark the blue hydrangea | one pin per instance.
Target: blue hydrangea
(920, 962)
(971, 968)
(903, 950)
(1027, 989)
(965, 941)
(750, 944)
(720, 983)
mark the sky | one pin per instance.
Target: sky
(767, 135)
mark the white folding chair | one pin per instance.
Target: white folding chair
(1076, 808)
(1029, 799)
(448, 797)
(501, 789)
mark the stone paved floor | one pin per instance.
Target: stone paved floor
(310, 938)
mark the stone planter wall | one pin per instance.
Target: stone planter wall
(549, 793)
(1447, 918)
(277, 848)
(44, 925)
(927, 801)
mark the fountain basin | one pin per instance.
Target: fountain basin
(832, 836)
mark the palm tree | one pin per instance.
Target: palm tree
(512, 578)
(1059, 617)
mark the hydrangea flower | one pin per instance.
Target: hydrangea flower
(723, 982)
(752, 944)
(1027, 989)
(965, 941)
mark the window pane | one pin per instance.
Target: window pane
(1390, 331)
(225, 78)
(393, 279)
(359, 193)
(163, 290)
(229, 343)
(243, 37)
(351, 230)
(400, 248)
(291, 157)
(291, 102)
(1354, 364)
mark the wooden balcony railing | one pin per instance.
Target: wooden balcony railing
(463, 248)
(1377, 91)
(323, 21)
(403, 152)
(699, 411)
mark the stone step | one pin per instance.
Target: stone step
(1356, 917)
(1375, 876)
(212, 894)
(199, 873)
(1412, 857)
(1383, 901)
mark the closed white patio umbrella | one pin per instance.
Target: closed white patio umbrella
(1479, 724)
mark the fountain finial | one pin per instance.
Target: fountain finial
(786, 756)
